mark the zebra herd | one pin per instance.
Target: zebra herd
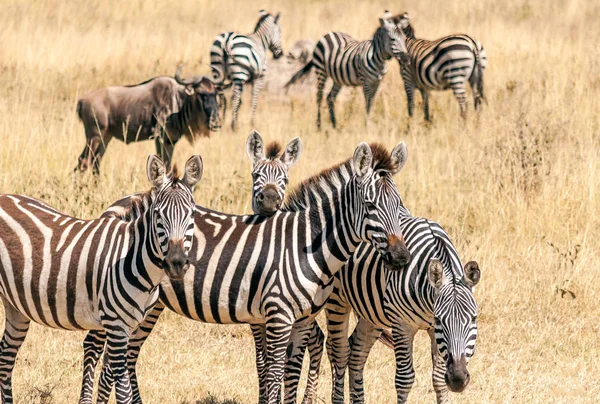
(341, 241)
(149, 110)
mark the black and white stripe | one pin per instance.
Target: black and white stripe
(353, 63)
(273, 272)
(243, 59)
(435, 294)
(103, 275)
(446, 63)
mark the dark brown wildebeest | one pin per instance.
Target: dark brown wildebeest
(163, 108)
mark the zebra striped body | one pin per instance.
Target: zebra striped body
(279, 270)
(243, 59)
(352, 63)
(446, 63)
(405, 302)
(73, 274)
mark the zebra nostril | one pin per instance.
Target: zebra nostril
(260, 197)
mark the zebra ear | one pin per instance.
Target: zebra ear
(293, 150)
(193, 171)
(382, 22)
(277, 17)
(472, 274)
(255, 147)
(399, 156)
(156, 171)
(362, 159)
(262, 13)
(435, 273)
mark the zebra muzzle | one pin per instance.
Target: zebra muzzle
(457, 376)
(396, 256)
(176, 262)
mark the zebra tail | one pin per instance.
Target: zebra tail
(301, 73)
(480, 74)
(386, 339)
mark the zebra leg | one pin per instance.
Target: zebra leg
(460, 93)
(410, 97)
(257, 85)
(316, 343)
(403, 350)
(439, 369)
(116, 350)
(136, 342)
(236, 102)
(364, 336)
(321, 79)
(425, 98)
(294, 358)
(331, 102)
(16, 326)
(106, 381)
(259, 334)
(370, 89)
(338, 349)
(277, 339)
(93, 345)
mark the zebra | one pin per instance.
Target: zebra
(279, 270)
(352, 63)
(243, 59)
(434, 294)
(269, 171)
(102, 274)
(448, 62)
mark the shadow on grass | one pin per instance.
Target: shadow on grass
(214, 400)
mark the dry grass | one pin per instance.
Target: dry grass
(517, 187)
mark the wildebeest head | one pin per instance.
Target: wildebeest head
(205, 97)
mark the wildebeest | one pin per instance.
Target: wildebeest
(163, 108)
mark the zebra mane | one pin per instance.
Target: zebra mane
(273, 150)
(261, 20)
(333, 177)
(447, 249)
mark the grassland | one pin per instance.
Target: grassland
(517, 187)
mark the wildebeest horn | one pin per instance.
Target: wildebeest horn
(193, 81)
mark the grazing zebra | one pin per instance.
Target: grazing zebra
(243, 59)
(448, 62)
(434, 294)
(102, 274)
(352, 63)
(279, 270)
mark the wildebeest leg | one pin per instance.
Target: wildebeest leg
(164, 149)
(236, 101)
(257, 85)
(98, 151)
(223, 103)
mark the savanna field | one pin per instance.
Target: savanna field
(516, 186)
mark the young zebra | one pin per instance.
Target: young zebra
(352, 63)
(270, 166)
(448, 62)
(279, 270)
(243, 59)
(435, 294)
(101, 274)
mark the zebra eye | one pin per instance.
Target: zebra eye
(255, 176)
(474, 319)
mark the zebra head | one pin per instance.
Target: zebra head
(173, 208)
(391, 39)
(203, 97)
(379, 202)
(270, 172)
(455, 320)
(270, 31)
(403, 22)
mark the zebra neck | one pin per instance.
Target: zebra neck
(148, 254)
(261, 38)
(376, 55)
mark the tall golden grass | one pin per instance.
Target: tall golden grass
(516, 186)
